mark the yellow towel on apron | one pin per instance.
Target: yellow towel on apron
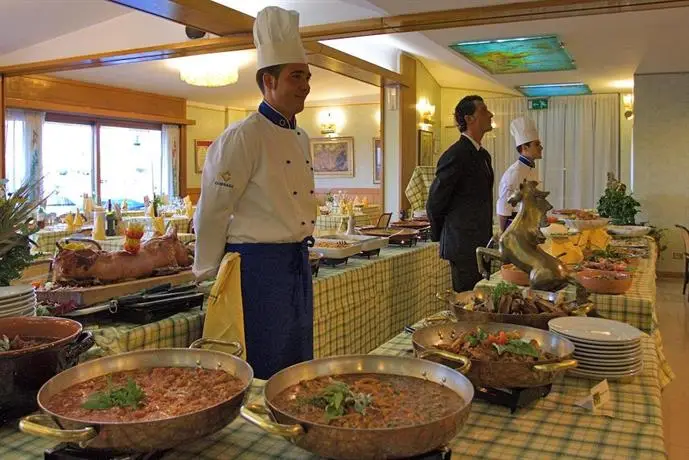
(224, 314)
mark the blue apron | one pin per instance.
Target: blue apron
(277, 293)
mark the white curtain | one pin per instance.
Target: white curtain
(23, 147)
(170, 160)
(581, 139)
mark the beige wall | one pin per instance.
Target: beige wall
(427, 87)
(660, 159)
(449, 98)
(361, 123)
(210, 123)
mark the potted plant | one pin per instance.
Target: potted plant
(616, 204)
(16, 226)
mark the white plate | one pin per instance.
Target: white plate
(629, 230)
(14, 299)
(628, 364)
(27, 312)
(16, 310)
(585, 354)
(7, 292)
(600, 345)
(605, 374)
(13, 305)
(595, 330)
(587, 224)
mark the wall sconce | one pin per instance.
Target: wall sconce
(331, 121)
(628, 100)
(426, 111)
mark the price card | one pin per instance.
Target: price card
(597, 398)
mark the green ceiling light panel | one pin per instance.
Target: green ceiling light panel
(518, 55)
(559, 89)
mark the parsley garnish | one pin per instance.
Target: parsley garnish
(337, 397)
(517, 347)
(129, 395)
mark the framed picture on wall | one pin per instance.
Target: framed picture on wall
(333, 156)
(200, 152)
(377, 161)
(425, 148)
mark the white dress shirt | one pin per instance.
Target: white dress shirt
(509, 183)
(257, 187)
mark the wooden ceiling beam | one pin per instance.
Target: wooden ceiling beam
(465, 17)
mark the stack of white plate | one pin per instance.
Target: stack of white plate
(605, 349)
(17, 301)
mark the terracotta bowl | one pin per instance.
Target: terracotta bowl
(23, 372)
(512, 274)
(613, 283)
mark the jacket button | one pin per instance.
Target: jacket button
(303, 223)
(298, 133)
(308, 162)
(311, 192)
(289, 162)
(294, 193)
(313, 221)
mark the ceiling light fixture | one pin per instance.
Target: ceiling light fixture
(558, 89)
(208, 70)
(623, 84)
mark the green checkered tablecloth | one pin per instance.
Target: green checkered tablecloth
(417, 189)
(115, 243)
(357, 306)
(180, 222)
(636, 307)
(629, 426)
(46, 238)
(338, 223)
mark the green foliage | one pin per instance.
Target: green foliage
(659, 235)
(129, 395)
(517, 347)
(617, 205)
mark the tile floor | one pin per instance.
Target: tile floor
(673, 315)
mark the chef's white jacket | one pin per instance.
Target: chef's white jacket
(257, 187)
(509, 183)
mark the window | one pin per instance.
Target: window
(67, 165)
(108, 160)
(15, 163)
(130, 162)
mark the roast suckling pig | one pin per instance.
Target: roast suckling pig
(89, 264)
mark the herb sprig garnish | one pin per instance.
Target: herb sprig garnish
(130, 395)
(337, 397)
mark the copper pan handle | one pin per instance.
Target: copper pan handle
(455, 358)
(258, 415)
(37, 425)
(199, 343)
(559, 366)
(583, 310)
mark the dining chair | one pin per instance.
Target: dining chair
(384, 220)
(684, 232)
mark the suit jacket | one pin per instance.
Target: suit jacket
(460, 200)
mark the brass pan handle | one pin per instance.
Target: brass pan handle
(583, 310)
(37, 425)
(463, 360)
(558, 366)
(199, 343)
(258, 415)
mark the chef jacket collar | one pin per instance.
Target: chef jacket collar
(276, 117)
(528, 162)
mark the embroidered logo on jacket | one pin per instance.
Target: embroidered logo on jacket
(223, 180)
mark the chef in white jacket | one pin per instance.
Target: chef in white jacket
(530, 149)
(257, 199)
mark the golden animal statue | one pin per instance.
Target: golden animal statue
(519, 244)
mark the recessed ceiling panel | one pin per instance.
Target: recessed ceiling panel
(517, 55)
(563, 89)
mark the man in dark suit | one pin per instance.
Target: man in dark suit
(460, 201)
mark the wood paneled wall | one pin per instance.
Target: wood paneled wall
(75, 97)
(408, 145)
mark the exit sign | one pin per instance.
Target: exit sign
(538, 104)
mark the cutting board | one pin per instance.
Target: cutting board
(83, 296)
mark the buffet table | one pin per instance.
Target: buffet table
(629, 426)
(357, 306)
(636, 307)
(333, 223)
(179, 222)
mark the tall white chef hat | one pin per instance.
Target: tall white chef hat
(523, 130)
(277, 39)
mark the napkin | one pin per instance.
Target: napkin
(149, 210)
(159, 225)
(224, 313)
(69, 220)
(594, 239)
(99, 225)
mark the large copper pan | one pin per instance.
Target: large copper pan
(347, 443)
(493, 374)
(142, 436)
(462, 306)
